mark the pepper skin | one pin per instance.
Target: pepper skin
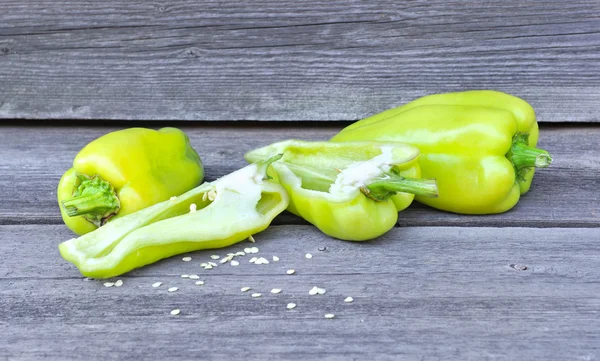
(350, 191)
(478, 145)
(125, 171)
(213, 215)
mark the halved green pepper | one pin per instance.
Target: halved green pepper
(478, 145)
(351, 191)
(213, 215)
(124, 171)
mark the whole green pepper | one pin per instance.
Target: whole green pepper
(351, 191)
(478, 145)
(214, 215)
(124, 171)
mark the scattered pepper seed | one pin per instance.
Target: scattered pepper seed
(321, 291)
(256, 295)
(208, 266)
(240, 253)
(193, 207)
(199, 283)
(156, 284)
(175, 312)
(248, 250)
(308, 255)
(119, 283)
(215, 256)
(322, 248)
(291, 306)
(313, 291)
(234, 263)
(253, 259)
(172, 289)
(261, 260)
(329, 315)
(245, 289)
(276, 290)
(348, 299)
(108, 284)
(194, 277)
(186, 259)
(185, 276)
(290, 271)
(253, 250)
(275, 259)
(224, 260)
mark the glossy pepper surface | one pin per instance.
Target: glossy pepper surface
(125, 171)
(213, 215)
(351, 191)
(478, 145)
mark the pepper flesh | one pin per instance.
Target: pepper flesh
(350, 191)
(125, 171)
(478, 145)
(228, 211)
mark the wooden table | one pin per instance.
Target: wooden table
(237, 75)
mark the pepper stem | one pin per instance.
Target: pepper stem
(263, 166)
(523, 157)
(381, 188)
(94, 198)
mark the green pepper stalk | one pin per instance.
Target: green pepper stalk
(95, 198)
(383, 187)
(524, 157)
(350, 191)
(213, 215)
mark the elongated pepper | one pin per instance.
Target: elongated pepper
(480, 146)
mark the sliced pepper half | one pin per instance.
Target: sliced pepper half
(351, 191)
(213, 215)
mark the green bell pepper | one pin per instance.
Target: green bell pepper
(478, 145)
(213, 215)
(351, 191)
(124, 171)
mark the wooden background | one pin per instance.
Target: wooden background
(237, 75)
(291, 60)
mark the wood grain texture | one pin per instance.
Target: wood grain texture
(290, 60)
(419, 293)
(32, 160)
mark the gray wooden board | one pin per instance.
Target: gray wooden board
(419, 293)
(32, 159)
(290, 60)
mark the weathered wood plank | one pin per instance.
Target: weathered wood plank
(32, 159)
(290, 60)
(419, 293)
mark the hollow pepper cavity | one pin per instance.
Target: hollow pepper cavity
(125, 171)
(213, 215)
(350, 191)
(478, 145)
